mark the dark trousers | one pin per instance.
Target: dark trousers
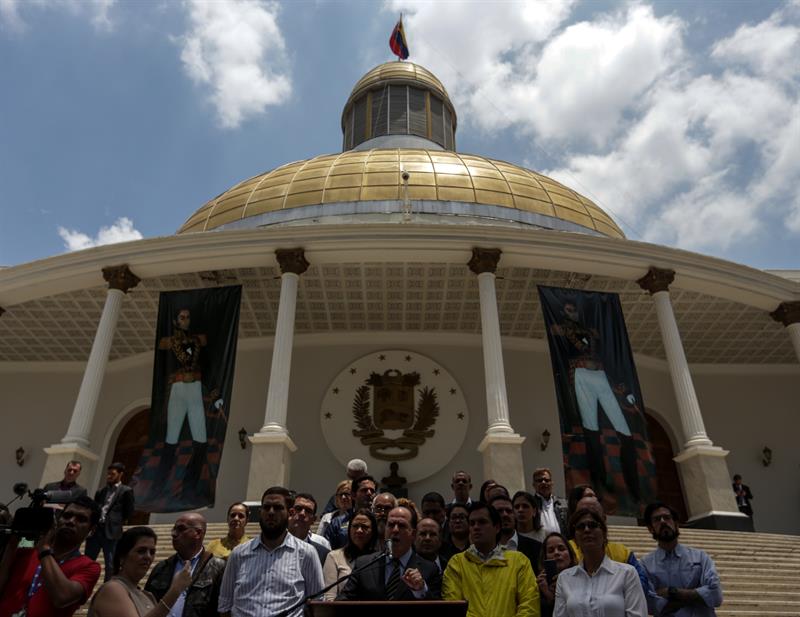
(97, 542)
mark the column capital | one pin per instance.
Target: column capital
(120, 277)
(787, 313)
(484, 260)
(292, 260)
(656, 279)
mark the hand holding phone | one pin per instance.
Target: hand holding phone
(550, 570)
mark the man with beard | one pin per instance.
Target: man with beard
(273, 572)
(685, 579)
(52, 579)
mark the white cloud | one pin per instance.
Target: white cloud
(122, 230)
(521, 70)
(237, 49)
(700, 159)
(97, 10)
(769, 48)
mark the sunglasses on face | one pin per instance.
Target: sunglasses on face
(584, 525)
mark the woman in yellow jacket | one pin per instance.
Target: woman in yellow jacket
(495, 582)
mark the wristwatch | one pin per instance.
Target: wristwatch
(672, 593)
(44, 553)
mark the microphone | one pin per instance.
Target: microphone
(389, 548)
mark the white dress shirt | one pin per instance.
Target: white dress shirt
(613, 590)
(549, 518)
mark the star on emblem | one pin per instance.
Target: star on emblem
(408, 358)
(328, 415)
(460, 416)
(436, 371)
(352, 371)
(452, 390)
(382, 357)
(336, 390)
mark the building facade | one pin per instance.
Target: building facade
(401, 255)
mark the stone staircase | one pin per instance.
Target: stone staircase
(759, 571)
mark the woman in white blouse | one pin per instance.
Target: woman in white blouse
(597, 586)
(362, 533)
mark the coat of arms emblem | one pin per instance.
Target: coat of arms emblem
(386, 402)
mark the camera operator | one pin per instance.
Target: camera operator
(52, 579)
(67, 489)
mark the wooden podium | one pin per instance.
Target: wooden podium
(418, 608)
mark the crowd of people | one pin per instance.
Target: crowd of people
(527, 554)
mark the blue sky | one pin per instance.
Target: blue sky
(681, 119)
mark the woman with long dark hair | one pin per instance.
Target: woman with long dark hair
(121, 596)
(555, 550)
(362, 536)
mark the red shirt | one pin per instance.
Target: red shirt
(80, 569)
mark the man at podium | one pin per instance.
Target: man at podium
(399, 575)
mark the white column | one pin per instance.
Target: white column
(689, 409)
(788, 313)
(496, 397)
(271, 447)
(278, 393)
(794, 335)
(501, 447)
(86, 404)
(120, 280)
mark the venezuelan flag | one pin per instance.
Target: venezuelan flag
(397, 42)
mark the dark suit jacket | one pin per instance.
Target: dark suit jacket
(202, 596)
(530, 548)
(120, 511)
(370, 583)
(75, 491)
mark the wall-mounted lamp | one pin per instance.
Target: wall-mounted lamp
(766, 457)
(545, 440)
(21, 455)
(243, 437)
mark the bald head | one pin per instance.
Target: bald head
(590, 502)
(188, 534)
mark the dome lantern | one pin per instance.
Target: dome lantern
(399, 104)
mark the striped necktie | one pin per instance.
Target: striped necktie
(393, 584)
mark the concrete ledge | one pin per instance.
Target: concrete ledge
(724, 521)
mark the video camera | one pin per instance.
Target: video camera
(35, 520)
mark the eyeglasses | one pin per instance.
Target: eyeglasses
(584, 525)
(461, 481)
(344, 495)
(380, 508)
(661, 517)
(541, 480)
(182, 528)
(458, 517)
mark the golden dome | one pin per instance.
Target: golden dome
(398, 72)
(375, 176)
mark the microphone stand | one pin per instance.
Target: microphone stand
(308, 596)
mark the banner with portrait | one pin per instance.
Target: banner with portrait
(604, 431)
(195, 353)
